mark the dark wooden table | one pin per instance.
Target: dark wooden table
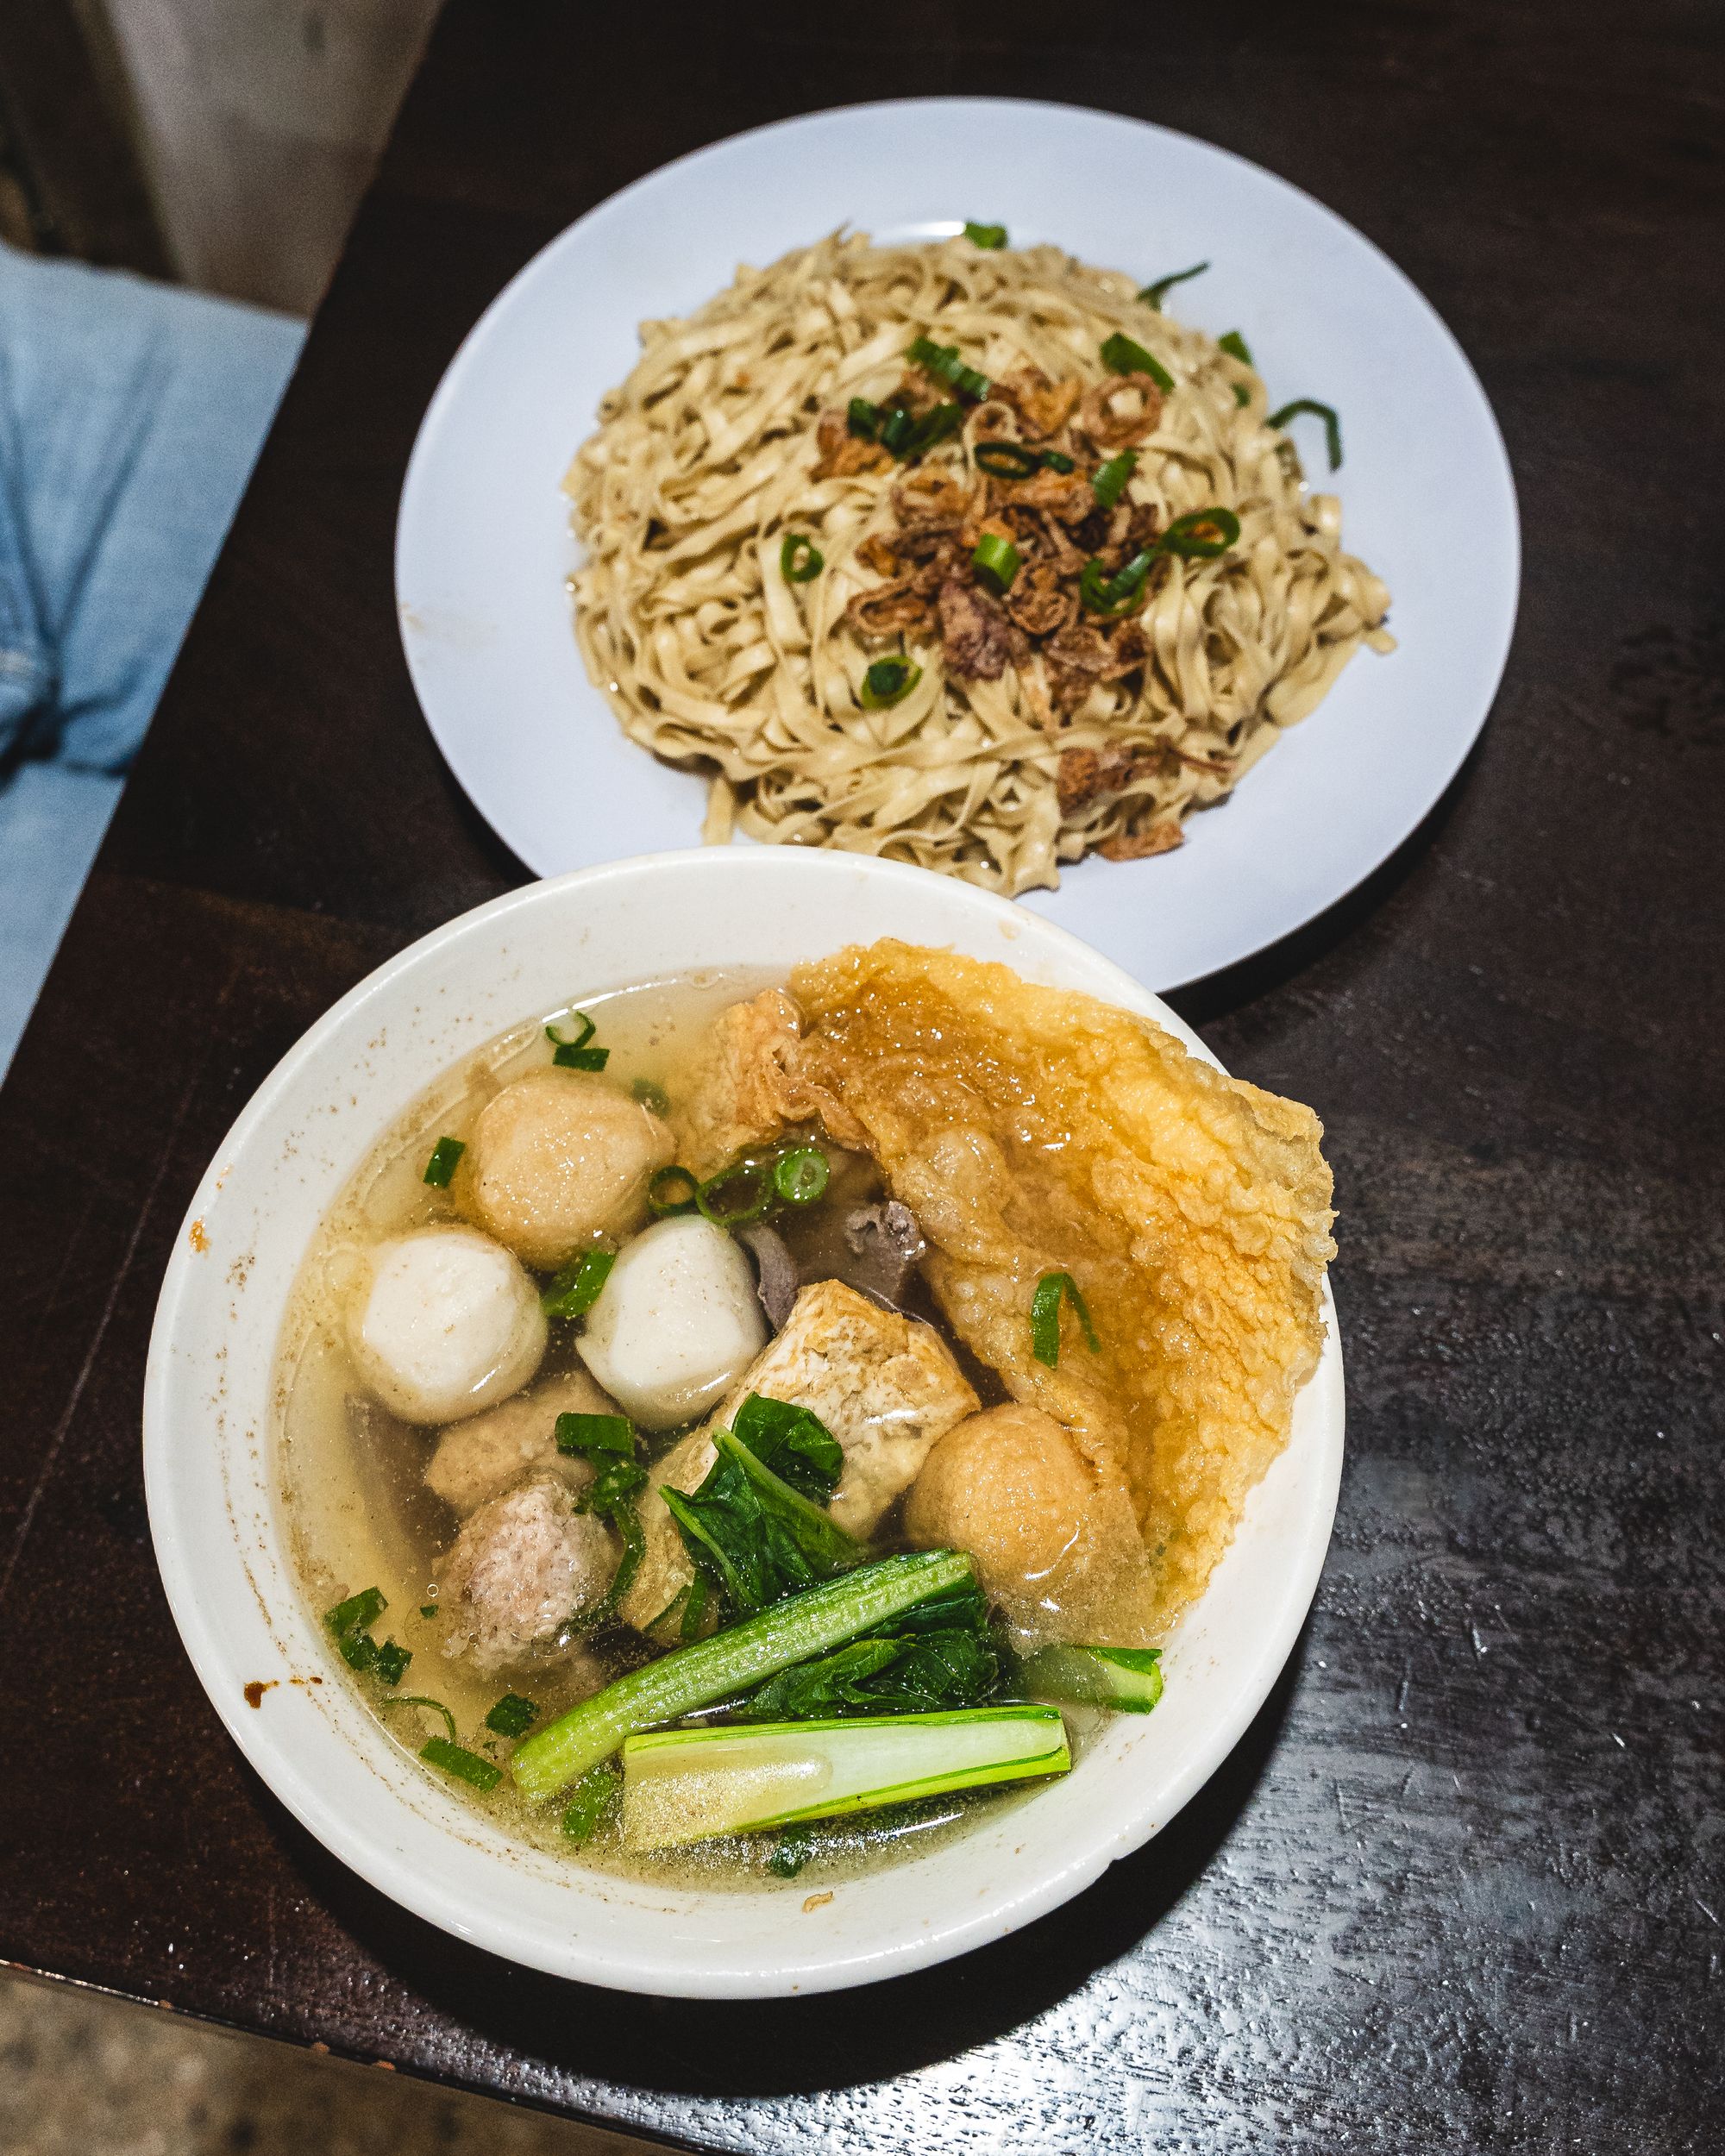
(1460, 1888)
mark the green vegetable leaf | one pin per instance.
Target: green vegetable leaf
(1044, 1317)
(985, 235)
(793, 1442)
(754, 1536)
(595, 1800)
(512, 1716)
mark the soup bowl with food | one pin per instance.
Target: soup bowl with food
(743, 1422)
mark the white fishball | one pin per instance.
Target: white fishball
(676, 1324)
(444, 1322)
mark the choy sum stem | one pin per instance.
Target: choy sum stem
(731, 1661)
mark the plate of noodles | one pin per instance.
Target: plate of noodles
(1136, 542)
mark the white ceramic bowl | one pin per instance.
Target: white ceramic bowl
(218, 1525)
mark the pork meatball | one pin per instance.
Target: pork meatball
(676, 1323)
(487, 1454)
(556, 1158)
(518, 1570)
(444, 1322)
(1009, 1486)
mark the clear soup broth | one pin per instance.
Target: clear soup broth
(355, 1468)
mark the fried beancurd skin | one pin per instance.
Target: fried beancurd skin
(1033, 1131)
(748, 1086)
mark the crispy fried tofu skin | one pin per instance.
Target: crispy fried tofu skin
(1031, 1130)
(747, 1087)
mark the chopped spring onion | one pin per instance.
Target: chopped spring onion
(1109, 483)
(1235, 346)
(445, 1156)
(567, 1058)
(578, 1040)
(985, 235)
(1007, 460)
(888, 681)
(1124, 355)
(575, 1289)
(1127, 1678)
(512, 1716)
(650, 1096)
(800, 1177)
(1057, 460)
(389, 1663)
(431, 1707)
(1113, 596)
(731, 1661)
(465, 1765)
(682, 1785)
(751, 1181)
(941, 360)
(594, 1799)
(358, 1614)
(998, 558)
(1153, 295)
(892, 425)
(585, 1435)
(799, 559)
(616, 1505)
(1202, 534)
(428, 1609)
(1333, 425)
(1052, 1290)
(672, 1190)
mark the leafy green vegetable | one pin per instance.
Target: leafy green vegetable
(938, 1655)
(608, 1442)
(755, 1537)
(389, 1663)
(793, 1442)
(985, 235)
(732, 1662)
(594, 1802)
(512, 1716)
(594, 1437)
(358, 1614)
(682, 1785)
(1128, 1679)
(428, 1609)
(1235, 346)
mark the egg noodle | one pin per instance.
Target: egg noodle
(1036, 731)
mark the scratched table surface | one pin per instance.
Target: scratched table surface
(1459, 1887)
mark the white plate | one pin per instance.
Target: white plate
(483, 545)
(219, 1531)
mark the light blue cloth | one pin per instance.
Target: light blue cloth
(130, 417)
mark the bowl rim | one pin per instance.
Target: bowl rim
(368, 1849)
